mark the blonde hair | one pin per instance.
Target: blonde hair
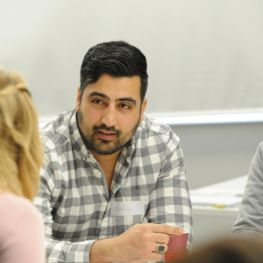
(20, 146)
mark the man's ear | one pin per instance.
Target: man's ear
(78, 101)
(143, 107)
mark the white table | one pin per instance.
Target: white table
(215, 208)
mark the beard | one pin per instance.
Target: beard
(101, 146)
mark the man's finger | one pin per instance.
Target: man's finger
(167, 229)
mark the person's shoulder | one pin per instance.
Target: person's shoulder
(56, 131)
(260, 146)
(16, 207)
(21, 229)
(258, 158)
(154, 127)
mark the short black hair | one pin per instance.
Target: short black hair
(116, 58)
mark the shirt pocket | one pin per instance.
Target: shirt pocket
(125, 214)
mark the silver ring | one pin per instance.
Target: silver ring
(160, 248)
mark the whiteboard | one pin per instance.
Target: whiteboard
(202, 54)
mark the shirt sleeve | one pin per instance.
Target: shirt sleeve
(250, 215)
(58, 251)
(170, 201)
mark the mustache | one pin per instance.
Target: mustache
(105, 127)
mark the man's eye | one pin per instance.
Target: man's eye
(97, 101)
(125, 106)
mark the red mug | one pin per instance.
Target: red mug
(177, 247)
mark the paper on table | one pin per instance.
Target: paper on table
(224, 194)
(215, 200)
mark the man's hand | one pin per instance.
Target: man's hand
(138, 244)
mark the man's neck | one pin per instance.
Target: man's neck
(107, 163)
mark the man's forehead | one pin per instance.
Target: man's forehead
(115, 87)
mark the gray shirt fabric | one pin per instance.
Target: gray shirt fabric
(149, 185)
(250, 216)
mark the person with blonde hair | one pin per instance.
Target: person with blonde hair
(21, 226)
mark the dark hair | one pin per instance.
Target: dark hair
(240, 249)
(116, 58)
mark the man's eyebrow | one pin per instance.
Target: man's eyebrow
(127, 99)
(98, 94)
(102, 95)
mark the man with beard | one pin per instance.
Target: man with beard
(113, 186)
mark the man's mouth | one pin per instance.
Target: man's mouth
(106, 135)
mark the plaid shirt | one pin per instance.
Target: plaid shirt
(148, 185)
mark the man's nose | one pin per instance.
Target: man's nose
(109, 116)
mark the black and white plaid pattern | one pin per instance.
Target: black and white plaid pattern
(149, 185)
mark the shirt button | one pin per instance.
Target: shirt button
(97, 173)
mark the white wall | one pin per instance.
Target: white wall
(202, 54)
(215, 153)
